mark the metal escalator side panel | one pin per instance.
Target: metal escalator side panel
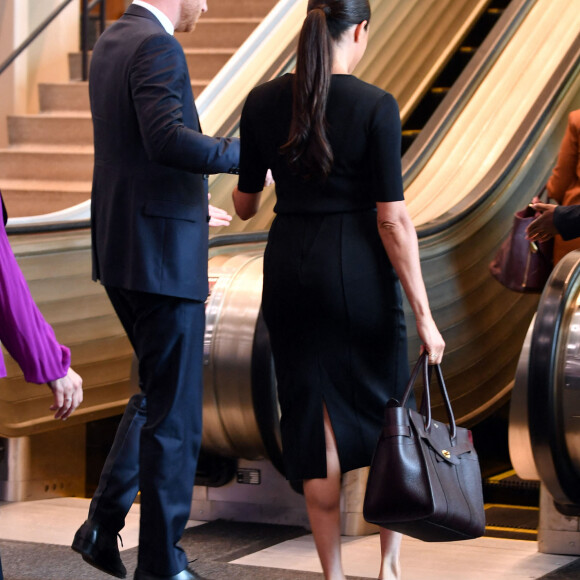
(520, 445)
(240, 408)
(553, 387)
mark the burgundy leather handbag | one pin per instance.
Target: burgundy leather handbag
(425, 479)
(519, 264)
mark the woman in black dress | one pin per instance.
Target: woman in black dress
(331, 298)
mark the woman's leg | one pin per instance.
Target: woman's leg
(390, 548)
(323, 506)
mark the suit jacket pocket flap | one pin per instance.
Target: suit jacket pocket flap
(171, 210)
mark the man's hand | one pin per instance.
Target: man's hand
(269, 179)
(68, 394)
(542, 228)
(218, 217)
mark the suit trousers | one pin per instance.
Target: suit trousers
(158, 439)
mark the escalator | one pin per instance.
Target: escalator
(53, 250)
(544, 423)
(464, 178)
(440, 87)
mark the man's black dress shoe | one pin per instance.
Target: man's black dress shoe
(99, 548)
(186, 574)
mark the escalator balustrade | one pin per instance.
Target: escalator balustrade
(450, 73)
(544, 432)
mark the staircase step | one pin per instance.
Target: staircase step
(73, 96)
(218, 32)
(202, 63)
(64, 128)
(238, 9)
(206, 63)
(47, 163)
(55, 146)
(26, 197)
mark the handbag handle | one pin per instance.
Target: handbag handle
(543, 190)
(422, 363)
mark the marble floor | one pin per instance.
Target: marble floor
(481, 559)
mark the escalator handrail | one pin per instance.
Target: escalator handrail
(515, 151)
(237, 65)
(471, 77)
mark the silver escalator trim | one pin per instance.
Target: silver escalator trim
(549, 407)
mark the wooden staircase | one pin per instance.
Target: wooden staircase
(48, 164)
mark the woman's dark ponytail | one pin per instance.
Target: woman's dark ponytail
(307, 150)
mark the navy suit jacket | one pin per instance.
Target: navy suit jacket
(567, 221)
(149, 197)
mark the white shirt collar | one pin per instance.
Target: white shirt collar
(161, 16)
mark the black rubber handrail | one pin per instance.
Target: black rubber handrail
(236, 239)
(218, 241)
(33, 36)
(42, 228)
(86, 8)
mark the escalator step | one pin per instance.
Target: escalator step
(508, 489)
(512, 522)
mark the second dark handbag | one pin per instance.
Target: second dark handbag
(519, 264)
(424, 480)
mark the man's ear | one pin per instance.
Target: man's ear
(360, 29)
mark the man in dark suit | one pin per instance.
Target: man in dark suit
(150, 240)
(555, 219)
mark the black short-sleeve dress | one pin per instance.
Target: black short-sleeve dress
(331, 299)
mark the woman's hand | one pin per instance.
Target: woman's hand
(431, 339)
(68, 394)
(542, 228)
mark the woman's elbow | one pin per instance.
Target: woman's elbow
(388, 227)
(245, 214)
(246, 205)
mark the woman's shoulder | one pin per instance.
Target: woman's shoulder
(270, 90)
(363, 92)
(355, 94)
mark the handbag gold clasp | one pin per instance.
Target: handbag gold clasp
(446, 454)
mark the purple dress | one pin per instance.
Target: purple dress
(23, 330)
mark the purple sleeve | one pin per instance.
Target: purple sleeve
(23, 331)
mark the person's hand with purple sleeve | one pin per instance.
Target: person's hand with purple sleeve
(30, 340)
